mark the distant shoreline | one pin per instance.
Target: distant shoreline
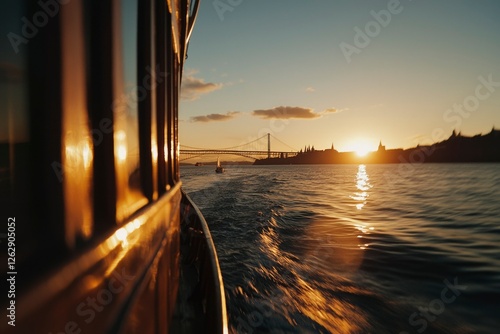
(455, 149)
(213, 163)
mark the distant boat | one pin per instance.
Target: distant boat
(219, 168)
(199, 164)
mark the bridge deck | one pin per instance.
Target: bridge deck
(245, 153)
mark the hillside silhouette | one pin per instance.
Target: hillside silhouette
(457, 148)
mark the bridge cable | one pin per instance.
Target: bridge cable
(294, 149)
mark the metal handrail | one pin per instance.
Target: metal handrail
(192, 19)
(215, 271)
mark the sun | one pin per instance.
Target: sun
(361, 148)
(361, 152)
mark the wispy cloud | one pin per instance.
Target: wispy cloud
(192, 88)
(285, 112)
(215, 117)
(310, 89)
(334, 110)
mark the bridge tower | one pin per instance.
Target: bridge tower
(268, 145)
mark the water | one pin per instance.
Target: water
(354, 248)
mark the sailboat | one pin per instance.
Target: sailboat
(219, 168)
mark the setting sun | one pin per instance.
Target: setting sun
(361, 148)
(361, 151)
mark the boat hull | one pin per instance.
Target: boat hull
(201, 278)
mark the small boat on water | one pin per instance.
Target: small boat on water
(199, 164)
(219, 168)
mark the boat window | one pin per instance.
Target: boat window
(14, 117)
(129, 91)
(162, 98)
(76, 134)
(14, 134)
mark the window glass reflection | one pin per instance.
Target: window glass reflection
(129, 40)
(14, 131)
(126, 136)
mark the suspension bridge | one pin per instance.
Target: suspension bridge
(255, 149)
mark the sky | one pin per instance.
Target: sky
(344, 72)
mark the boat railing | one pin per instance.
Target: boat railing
(200, 254)
(194, 6)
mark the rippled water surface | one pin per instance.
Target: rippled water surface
(355, 248)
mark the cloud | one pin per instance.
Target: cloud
(286, 113)
(192, 88)
(334, 110)
(310, 89)
(215, 117)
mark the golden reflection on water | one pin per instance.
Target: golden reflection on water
(336, 315)
(364, 230)
(363, 185)
(331, 251)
